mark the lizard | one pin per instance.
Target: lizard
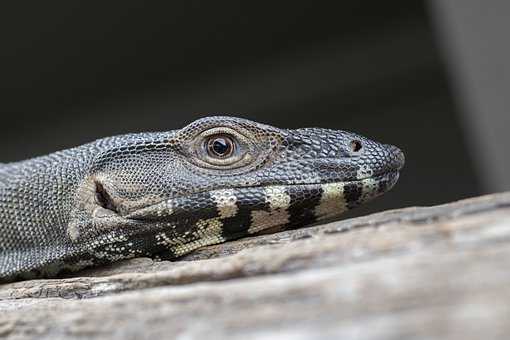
(165, 194)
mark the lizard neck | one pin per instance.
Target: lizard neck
(36, 196)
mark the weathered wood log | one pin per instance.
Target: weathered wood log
(416, 273)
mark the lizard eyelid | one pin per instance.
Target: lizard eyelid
(222, 148)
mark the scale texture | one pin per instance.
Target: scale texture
(166, 194)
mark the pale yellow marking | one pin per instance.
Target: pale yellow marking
(364, 172)
(164, 240)
(277, 197)
(190, 246)
(332, 200)
(279, 202)
(209, 227)
(226, 202)
(208, 232)
(369, 189)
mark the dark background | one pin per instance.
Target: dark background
(71, 73)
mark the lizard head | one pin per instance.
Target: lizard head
(222, 178)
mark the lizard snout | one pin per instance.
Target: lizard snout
(396, 158)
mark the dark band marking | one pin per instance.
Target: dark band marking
(302, 206)
(352, 194)
(248, 200)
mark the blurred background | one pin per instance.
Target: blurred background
(429, 76)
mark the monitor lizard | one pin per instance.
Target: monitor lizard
(165, 194)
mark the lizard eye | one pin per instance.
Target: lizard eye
(220, 146)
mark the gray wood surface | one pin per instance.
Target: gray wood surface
(418, 273)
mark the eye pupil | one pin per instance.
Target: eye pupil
(220, 146)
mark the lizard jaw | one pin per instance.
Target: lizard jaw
(172, 228)
(217, 202)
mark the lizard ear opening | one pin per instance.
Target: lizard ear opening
(103, 198)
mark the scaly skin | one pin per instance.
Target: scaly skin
(165, 194)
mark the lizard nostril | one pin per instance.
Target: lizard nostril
(356, 146)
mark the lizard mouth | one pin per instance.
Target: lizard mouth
(184, 223)
(355, 192)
